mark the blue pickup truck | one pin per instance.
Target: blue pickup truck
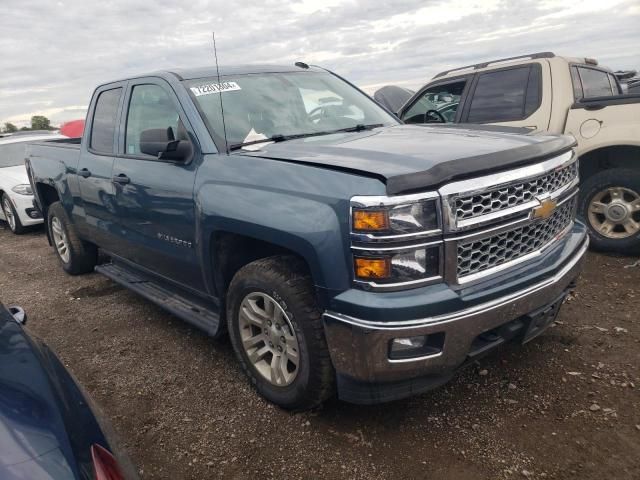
(341, 250)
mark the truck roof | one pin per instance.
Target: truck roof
(211, 71)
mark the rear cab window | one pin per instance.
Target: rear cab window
(506, 95)
(103, 126)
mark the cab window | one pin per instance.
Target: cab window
(437, 103)
(506, 95)
(104, 121)
(595, 83)
(150, 107)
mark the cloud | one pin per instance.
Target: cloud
(55, 52)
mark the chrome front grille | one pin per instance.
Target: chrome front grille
(479, 255)
(513, 194)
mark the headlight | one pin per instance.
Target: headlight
(396, 241)
(24, 189)
(394, 219)
(398, 267)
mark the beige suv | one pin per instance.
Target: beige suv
(547, 93)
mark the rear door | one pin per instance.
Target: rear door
(154, 198)
(96, 162)
(517, 96)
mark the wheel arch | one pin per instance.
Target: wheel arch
(607, 157)
(230, 250)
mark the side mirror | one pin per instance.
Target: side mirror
(161, 143)
(18, 314)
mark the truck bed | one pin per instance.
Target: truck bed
(47, 159)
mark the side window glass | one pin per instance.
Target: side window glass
(577, 84)
(595, 83)
(151, 108)
(614, 85)
(104, 121)
(505, 95)
(436, 103)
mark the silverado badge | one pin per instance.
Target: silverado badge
(546, 208)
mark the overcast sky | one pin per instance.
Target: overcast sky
(54, 52)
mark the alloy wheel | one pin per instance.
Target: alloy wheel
(615, 212)
(268, 339)
(60, 240)
(8, 214)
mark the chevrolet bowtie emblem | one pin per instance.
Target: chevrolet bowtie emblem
(546, 208)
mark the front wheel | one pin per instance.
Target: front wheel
(75, 255)
(277, 333)
(11, 216)
(610, 206)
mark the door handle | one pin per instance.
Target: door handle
(121, 179)
(84, 173)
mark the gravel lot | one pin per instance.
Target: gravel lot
(567, 405)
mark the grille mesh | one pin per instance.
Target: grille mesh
(514, 194)
(479, 255)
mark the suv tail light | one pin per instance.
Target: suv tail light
(105, 466)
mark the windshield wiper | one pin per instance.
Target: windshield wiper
(273, 138)
(281, 138)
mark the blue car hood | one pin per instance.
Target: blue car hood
(413, 157)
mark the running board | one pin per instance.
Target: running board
(182, 305)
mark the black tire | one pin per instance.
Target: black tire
(17, 226)
(83, 256)
(590, 190)
(284, 278)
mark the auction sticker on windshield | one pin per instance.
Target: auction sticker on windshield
(210, 88)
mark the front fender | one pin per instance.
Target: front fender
(307, 227)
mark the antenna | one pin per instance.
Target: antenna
(224, 125)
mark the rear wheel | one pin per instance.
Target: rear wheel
(11, 216)
(276, 330)
(610, 206)
(75, 255)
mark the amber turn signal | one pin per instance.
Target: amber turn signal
(372, 268)
(370, 220)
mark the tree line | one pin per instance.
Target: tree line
(38, 122)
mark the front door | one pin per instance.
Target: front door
(154, 198)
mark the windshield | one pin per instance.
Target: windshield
(12, 154)
(266, 105)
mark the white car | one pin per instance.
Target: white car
(16, 197)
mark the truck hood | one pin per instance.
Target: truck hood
(413, 157)
(15, 175)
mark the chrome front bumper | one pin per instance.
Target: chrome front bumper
(360, 348)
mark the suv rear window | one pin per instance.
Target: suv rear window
(506, 95)
(104, 120)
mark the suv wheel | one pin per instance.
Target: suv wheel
(277, 333)
(11, 216)
(75, 255)
(610, 205)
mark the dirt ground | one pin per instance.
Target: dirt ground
(566, 405)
